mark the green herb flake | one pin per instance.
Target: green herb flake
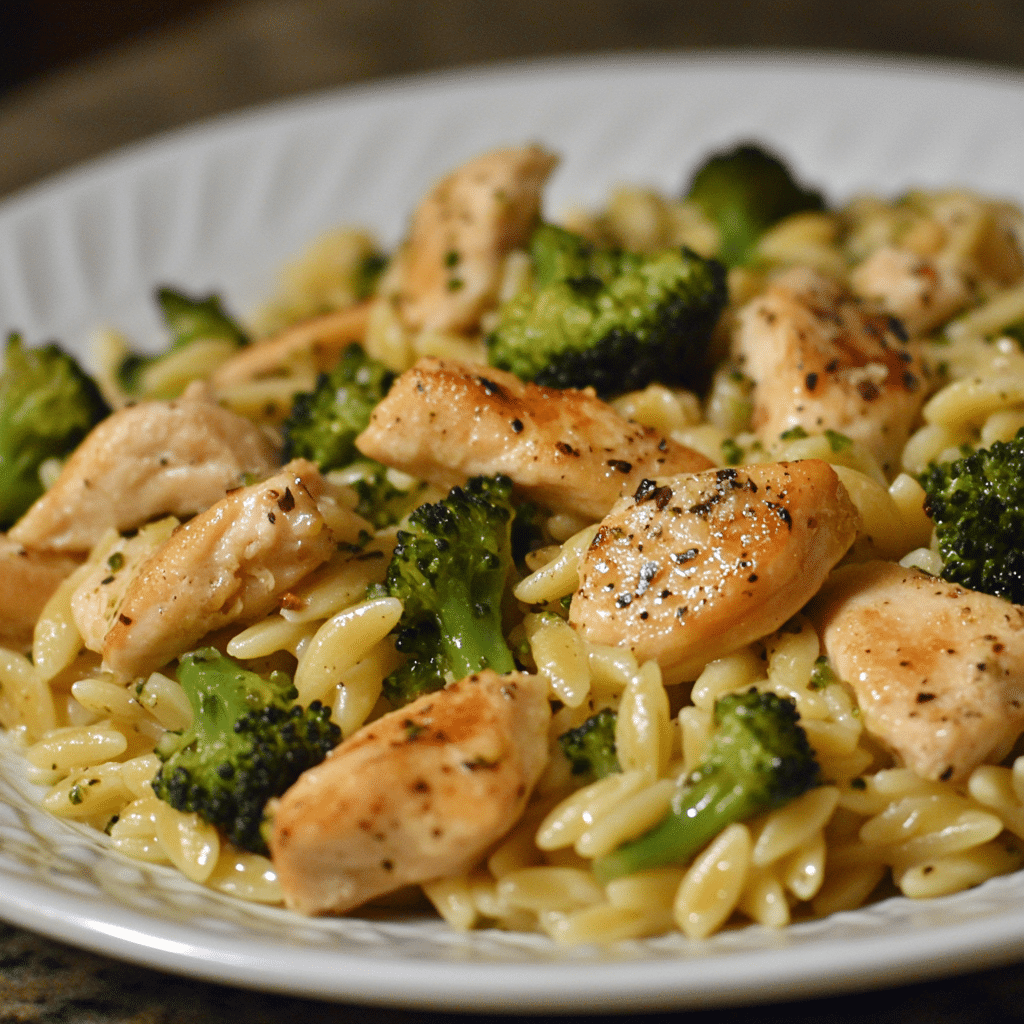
(838, 442)
(75, 795)
(732, 453)
(413, 729)
(368, 273)
(796, 433)
(822, 674)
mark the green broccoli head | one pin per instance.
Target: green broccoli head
(759, 742)
(528, 533)
(47, 405)
(449, 569)
(368, 273)
(977, 505)
(385, 497)
(759, 758)
(248, 742)
(590, 747)
(325, 422)
(608, 319)
(187, 320)
(745, 191)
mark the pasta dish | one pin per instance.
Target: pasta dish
(655, 569)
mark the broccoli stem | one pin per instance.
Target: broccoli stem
(472, 632)
(698, 814)
(757, 759)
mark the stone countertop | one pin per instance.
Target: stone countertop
(245, 53)
(44, 982)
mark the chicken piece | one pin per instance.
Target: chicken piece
(418, 794)
(321, 339)
(228, 564)
(29, 579)
(938, 670)
(820, 361)
(921, 292)
(150, 459)
(445, 421)
(693, 567)
(449, 268)
(97, 599)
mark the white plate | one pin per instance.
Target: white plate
(219, 207)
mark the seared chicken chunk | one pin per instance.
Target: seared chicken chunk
(320, 339)
(693, 567)
(820, 361)
(449, 268)
(938, 670)
(420, 793)
(97, 599)
(445, 421)
(27, 581)
(150, 459)
(228, 564)
(920, 291)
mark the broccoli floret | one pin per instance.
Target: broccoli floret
(368, 273)
(247, 743)
(47, 405)
(528, 534)
(608, 319)
(187, 320)
(385, 496)
(758, 758)
(325, 422)
(449, 570)
(590, 747)
(745, 191)
(977, 505)
(822, 674)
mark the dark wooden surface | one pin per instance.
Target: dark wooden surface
(191, 60)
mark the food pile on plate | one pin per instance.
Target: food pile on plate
(656, 568)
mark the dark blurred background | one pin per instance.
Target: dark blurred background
(79, 77)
